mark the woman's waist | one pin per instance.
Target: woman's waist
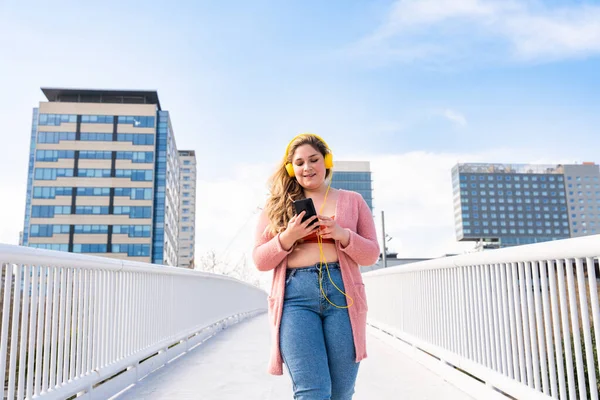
(306, 254)
(319, 266)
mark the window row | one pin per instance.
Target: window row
(350, 176)
(580, 186)
(140, 139)
(513, 177)
(50, 230)
(597, 194)
(564, 224)
(585, 178)
(510, 200)
(582, 201)
(510, 193)
(48, 192)
(51, 211)
(512, 216)
(511, 186)
(51, 174)
(58, 119)
(132, 230)
(518, 208)
(133, 174)
(584, 231)
(50, 246)
(132, 250)
(134, 156)
(584, 224)
(583, 216)
(514, 231)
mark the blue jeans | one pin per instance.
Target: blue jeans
(315, 337)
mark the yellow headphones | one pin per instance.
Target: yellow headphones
(328, 157)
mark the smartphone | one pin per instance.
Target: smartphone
(305, 205)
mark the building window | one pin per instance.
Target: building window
(89, 248)
(57, 119)
(96, 137)
(137, 121)
(97, 119)
(138, 139)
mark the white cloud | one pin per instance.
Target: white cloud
(455, 117)
(438, 30)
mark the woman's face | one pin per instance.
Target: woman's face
(309, 167)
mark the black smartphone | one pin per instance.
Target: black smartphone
(305, 205)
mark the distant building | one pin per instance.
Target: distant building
(513, 204)
(187, 219)
(103, 176)
(355, 176)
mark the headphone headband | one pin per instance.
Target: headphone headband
(328, 157)
(287, 149)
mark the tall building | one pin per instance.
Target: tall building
(515, 204)
(187, 219)
(355, 176)
(103, 176)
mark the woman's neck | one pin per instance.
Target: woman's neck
(318, 193)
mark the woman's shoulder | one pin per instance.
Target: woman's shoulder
(348, 195)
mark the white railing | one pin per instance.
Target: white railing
(521, 320)
(91, 326)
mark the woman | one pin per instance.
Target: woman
(317, 306)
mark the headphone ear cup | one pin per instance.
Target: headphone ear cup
(328, 161)
(290, 169)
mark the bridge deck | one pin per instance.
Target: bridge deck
(232, 365)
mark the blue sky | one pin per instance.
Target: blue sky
(400, 83)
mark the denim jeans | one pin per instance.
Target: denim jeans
(315, 337)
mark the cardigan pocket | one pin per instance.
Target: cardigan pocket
(274, 310)
(362, 296)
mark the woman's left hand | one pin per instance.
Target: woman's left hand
(331, 230)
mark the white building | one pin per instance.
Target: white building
(187, 219)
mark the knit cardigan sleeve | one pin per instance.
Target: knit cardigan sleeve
(363, 247)
(267, 253)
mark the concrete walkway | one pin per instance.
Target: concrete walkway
(232, 366)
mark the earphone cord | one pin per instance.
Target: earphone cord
(323, 260)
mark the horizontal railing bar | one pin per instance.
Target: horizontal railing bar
(20, 255)
(581, 247)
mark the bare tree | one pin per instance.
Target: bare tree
(214, 264)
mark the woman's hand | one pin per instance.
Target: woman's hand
(297, 229)
(331, 230)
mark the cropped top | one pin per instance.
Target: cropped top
(313, 238)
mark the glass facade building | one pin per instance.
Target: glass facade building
(516, 204)
(103, 176)
(355, 176)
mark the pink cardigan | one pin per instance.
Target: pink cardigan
(352, 213)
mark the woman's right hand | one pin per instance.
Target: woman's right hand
(297, 229)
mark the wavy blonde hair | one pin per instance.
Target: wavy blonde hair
(285, 189)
